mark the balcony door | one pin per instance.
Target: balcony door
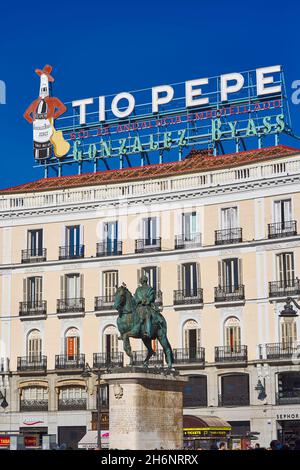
(35, 242)
(229, 218)
(282, 212)
(72, 286)
(188, 274)
(111, 234)
(73, 240)
(230, 274)
(110, 283)
(285, 269)
(34, 346)
(152, 273)
(110, 341)
(189, 226)
(72, 344)
(33, 291)
(192, 338)
(288, 330)
(150, 231)
(232, 334)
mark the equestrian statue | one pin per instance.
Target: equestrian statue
(139, 317)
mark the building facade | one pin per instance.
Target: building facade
(217, 237)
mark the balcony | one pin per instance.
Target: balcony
(66, 404)
(291, 397)
(34, 405)
(32, 364)
(188, 297)
(70, 306)
(158, 298)
(36, 255)
(282, 229)
(281, 351)
(228, 236)
(284, 289)
(147, 245)
(109, 248)
(191, 240)
(104, 303)
(108, 360)
(140, 356)
(33, 308)
(225, 354)
(190, 356)
(64, 362)
(230, 293)
(71, 252)
(233, 400)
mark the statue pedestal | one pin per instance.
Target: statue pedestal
(145, 409)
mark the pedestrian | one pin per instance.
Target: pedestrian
(222, 446)
(275, 445)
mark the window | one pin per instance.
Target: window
(150, 230)
(153, 275)
(285, 269)
(72, 343)
(72, 398)
(111, 230)
(34, 399)
(288, 331)
(230, 274)
(34, 346)
(35, 242)
(282, 211)
(195, 391)
(188, 277)
(110, 340)
(33, 289)
(110, 283)
(191, 333)
(229, 218)
(189, 226)
(35, 393)
(73, 240)
(71, 286)
(235, 390)
(232, 334)
(72, 393)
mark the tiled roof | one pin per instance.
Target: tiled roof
(195, 162)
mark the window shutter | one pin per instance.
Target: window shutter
(158, 270)
(81, 285)
(186, 339)
(198, 283)
(39, 288)
(25, 298)
(220, 279)
(198, 338)
(139, 275)
(240, 272)
(62, 287)
(179, 276)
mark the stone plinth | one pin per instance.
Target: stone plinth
(145, 410)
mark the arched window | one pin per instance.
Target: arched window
(234, 390)
(34, 345)
(72, 343)
(232, 334)
(34, 399)
(288, 331)
(110, 340)
(191, 338)
(195, 391)
(72, 398)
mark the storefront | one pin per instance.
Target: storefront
(288, 427)
(33, 437)
(204, 432)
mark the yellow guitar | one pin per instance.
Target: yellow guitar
(60, 145)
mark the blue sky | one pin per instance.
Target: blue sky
(98, 47)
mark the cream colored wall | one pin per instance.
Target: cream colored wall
(210, 318)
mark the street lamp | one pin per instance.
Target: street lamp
(86, 374)
(288, 311)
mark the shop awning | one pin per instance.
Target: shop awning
(205, 426)
(89, 440)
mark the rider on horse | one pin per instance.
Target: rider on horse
(145, 298)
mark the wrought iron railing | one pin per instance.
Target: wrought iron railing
(63, 361)
(189, 356)
(231, 354)
(38, 307)
(234, 400)
(229, 293)
(65, 404)
(108, 360)
(282, 229)
(187, 297)
(147, 245)
(109, 248)
(32, 363)
(284, 350)
(34, 405)
(140, 356)
(288, 397)
(34, 255)
(105, 302)
(71, 252)
(187, 241)
(71, 305)
(228, 236)
(284, 288)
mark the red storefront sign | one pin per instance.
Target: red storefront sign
(4, 441)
